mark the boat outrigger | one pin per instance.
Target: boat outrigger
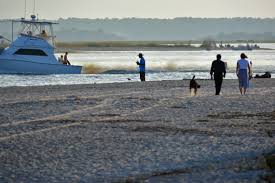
(33, 51)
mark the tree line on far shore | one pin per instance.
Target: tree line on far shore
(141, 29)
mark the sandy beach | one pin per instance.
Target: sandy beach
(138, 132)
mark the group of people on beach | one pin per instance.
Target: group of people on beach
(243, 72)
(217, 72)
(64, 59)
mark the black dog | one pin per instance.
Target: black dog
(194, 85)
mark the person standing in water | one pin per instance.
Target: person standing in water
(218, 68)
(141, 64)
(244, 73)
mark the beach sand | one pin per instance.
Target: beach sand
(138, 132)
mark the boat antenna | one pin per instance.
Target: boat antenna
(33, 6)
(25, 9)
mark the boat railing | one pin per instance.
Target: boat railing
(36, 29)
(49, 39)
(38, 36)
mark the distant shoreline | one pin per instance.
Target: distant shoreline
(145, 46)
(142, 46)
(79, 49)
(94, 48)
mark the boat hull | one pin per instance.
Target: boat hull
(27, 67)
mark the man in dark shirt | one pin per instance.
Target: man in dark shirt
(219, 70)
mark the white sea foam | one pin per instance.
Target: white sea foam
(263, 60)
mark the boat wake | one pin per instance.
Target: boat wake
(118, 69)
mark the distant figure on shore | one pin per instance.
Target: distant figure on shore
(244, 73)
(66, 61)
(218, 68)
(141, 64)
(61, 59)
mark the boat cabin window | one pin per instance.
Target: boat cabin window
(34, 52)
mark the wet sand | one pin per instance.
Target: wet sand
(138, 132)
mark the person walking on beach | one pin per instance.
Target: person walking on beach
(141, 64)
(218, 68)
(244, 73)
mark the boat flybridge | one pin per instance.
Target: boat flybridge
(33, 51)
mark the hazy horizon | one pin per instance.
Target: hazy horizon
(138, 9)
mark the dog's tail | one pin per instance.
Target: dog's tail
(194, 77)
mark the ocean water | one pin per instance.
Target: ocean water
(120, 66)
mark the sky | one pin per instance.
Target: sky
(55, 9)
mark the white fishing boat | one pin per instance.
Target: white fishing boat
(33, 51)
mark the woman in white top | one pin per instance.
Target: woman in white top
(244, 73)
